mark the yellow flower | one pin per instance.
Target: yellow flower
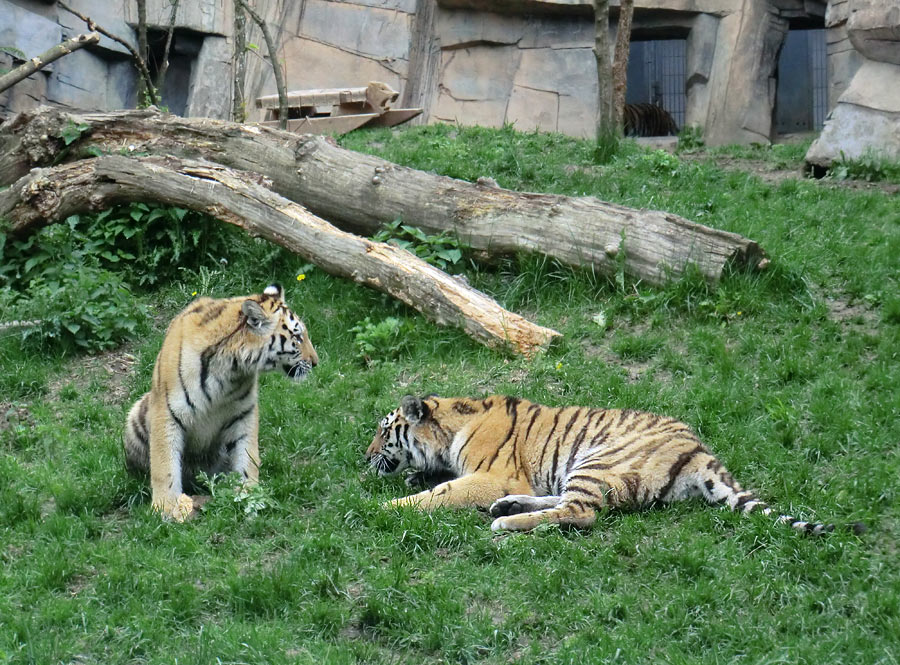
(739, 313)
(193, 294)
(559, 365)
(301, 277)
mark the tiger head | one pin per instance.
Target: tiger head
(280, 337)
(410, 437)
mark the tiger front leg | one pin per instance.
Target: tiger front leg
(242, 445)
(474, 491)
(167, 440)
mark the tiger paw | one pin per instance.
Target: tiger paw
(177, 508)
(520, 522)
(514, 504)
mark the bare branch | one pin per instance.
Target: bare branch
(164, 65)
(239, 64)
(139, 62)
(273, 56)
(24, 71)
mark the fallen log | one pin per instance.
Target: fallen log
(51, 194)
(361, 193)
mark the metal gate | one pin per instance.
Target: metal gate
(656, 75)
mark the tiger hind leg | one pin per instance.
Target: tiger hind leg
(136, 439)
(566, 513)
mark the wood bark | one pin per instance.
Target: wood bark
(605, 121)
(361, 193)
(620, 60)
(34, 64)
(49, 195)
(239, 64)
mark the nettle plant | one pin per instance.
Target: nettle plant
(68, 277)
(444, 250)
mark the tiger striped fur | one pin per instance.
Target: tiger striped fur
(530, 463)
(647, 120)
(202, 412)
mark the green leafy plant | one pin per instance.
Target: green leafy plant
(228, 488)
(660, 162)
(690, 138)
(870, 167)
(376, 342)
(72, 274)
(443, 250)
(72, 132)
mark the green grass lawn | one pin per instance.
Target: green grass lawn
(792, 377)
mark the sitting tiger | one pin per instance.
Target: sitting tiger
(531, 464)
(201, 413)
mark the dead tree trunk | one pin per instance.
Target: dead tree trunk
(361, 192)
(620, 61)
(48, 195)
(605, 121)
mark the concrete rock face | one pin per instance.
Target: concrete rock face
(865, 118)
(476, 62)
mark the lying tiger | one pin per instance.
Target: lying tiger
(202, 412)
(532, 464)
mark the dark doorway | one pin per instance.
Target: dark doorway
(656, 75)
(182, 54)
(801, 96)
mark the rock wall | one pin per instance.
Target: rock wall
(866, 116)
(485, 62)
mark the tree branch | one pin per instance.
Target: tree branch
(65, 48)
(170, 32)
(273, 56)
(139, 62)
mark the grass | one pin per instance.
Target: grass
(791, 376)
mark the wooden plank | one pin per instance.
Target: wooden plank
(393, 117)
(315, 97)
(325, 125)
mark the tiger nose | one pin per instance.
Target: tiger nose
(374, 447)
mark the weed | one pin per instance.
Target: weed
(870, 167)
(443, 250)
(380, 341)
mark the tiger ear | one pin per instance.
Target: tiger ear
(414, 409)
(275, 290)
(257, 320)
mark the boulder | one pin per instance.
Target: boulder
(874, 30)
(866, 119)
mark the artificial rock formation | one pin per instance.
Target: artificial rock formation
(866, 118)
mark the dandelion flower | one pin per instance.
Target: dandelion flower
(301, 277)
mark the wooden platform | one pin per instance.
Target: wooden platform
(337, 110)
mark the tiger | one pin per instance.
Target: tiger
(530, 464)
(202, 412)
(647, 120)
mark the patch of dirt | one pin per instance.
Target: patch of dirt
(772, 174)
(111, 368)
(14, 413)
